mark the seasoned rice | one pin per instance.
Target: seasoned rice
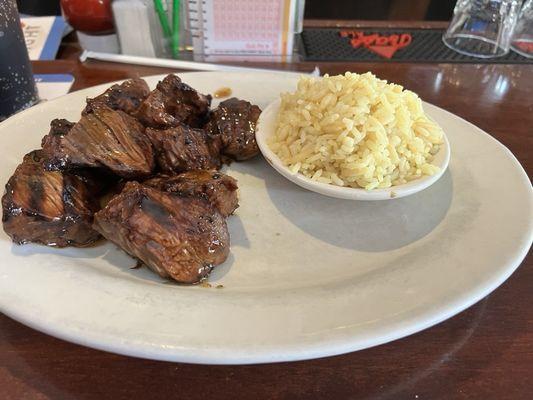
(355, 130)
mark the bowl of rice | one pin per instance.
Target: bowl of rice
(353, 136)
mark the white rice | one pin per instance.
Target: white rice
(355, 130)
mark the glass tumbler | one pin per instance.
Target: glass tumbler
(17, 86)
(482, 28)
(522, 41)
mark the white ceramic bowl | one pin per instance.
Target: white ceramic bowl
(265, 128)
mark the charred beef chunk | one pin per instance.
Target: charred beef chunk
(217, 188)
(181, 238)
(60, 126)
(152, 112)
(48, 207)
(173, 102)
(126, 96)
(104, 138)
(235, 120)
(183, 148)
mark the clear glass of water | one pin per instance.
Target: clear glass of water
(482, 28)
(522, 41)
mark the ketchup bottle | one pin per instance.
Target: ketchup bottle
(93, 20)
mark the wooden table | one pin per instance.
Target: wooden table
(486, 352)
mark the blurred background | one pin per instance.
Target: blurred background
(407, 10)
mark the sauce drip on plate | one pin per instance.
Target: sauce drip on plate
(222, 92)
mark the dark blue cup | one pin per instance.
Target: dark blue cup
(17, 86)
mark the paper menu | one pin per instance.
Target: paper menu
(43, 36)
(51, 86)
(242, 27)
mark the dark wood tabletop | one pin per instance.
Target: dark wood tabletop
(485, 352)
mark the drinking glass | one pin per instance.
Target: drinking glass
(482, 28)
(522, 41)
(17, 86)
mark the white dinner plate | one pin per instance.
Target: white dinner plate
(308, 275)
